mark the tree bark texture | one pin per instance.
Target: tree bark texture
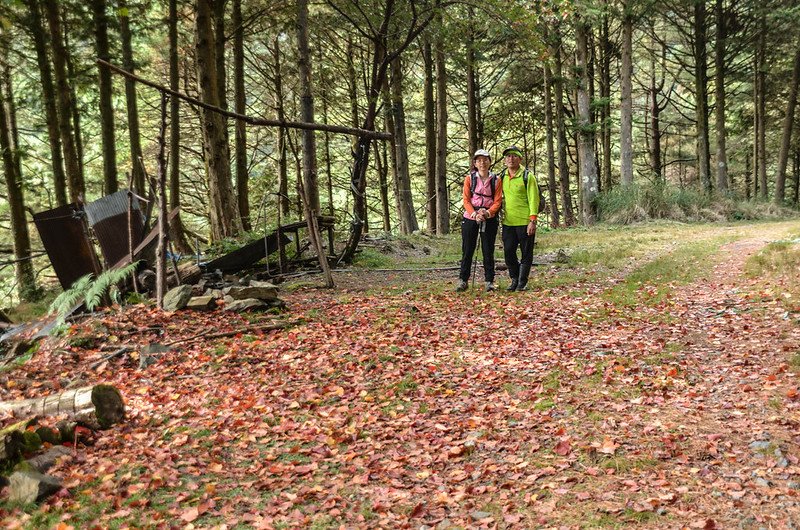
(430, 138)
(606, 49)
(224, 212)
(655, 123)
(555, 216)
(701, 96)
(626, 101)
(472, 87)
(563, 168)
(48, 100)
(99, 406)
(405, 199)
(239, 98)
(177, 235)
(132, 106)
(442, 197)
(106, 107)
(588, 165)
(719, 96)
(761, 110)
(25, 279)
(307, 107)
(64, 94)
(786, 137)
(283, 163)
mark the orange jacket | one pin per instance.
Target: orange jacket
(497, 200)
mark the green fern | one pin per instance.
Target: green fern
(89, 289)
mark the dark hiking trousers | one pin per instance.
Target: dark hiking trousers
(469, 240)
(517, 237)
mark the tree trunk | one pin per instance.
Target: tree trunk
(63, 91)
(430, 138)
(405, 199)
(224, 212)
(588, 166)
(555, 217)
(796, 172)
(382, 165)
(605, 93)
(719, 96)
(283, 164)
(49, 101)
(442, 198)
(307, 107)
(26, 282)
(701, 95)
(242, 178)
(161, 190)
(76, 114)
(106, 106)
(98, 406)
(473, 100)
(786, 138)
(218, 13)
(130, 98)
(177, 235)
(563, 168)
(626, 100)
(761, 111)
(655, 123)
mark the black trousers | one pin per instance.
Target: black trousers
(469, 240)
(517, 237)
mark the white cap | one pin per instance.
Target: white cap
(482, 152)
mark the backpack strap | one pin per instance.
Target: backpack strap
(473, 181)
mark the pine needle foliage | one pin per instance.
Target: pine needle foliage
(90, 289)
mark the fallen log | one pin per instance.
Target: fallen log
(98, 407)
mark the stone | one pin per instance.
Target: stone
(245, 305)
(177, 298)
(202, 303)
(31, 486)
(243, 293)
(478, 515)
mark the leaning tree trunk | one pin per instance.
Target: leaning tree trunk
(588, 165)
(442, 198)
(71, 163)
(430, 138)
(49, 101)
(224, 211)
(26, 281)
(98, 406)
(626, 108)
(719, 96)
(106, 106)
(137, 171)
(786, 138)
(701, 95)
(405, 200)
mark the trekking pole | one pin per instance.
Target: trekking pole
(481, 226)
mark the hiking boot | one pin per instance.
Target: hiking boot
(462, 286)
(490, 286)
(513, 286)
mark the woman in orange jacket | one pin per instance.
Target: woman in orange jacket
(483, 193)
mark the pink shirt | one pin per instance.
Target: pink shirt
(482, 195)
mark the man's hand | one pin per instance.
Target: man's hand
(531, 227)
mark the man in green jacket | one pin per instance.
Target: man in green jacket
(520, 208)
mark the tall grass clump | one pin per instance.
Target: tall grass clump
(658, 200)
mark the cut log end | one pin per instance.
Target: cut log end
(109, 406)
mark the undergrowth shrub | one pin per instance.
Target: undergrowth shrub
(638, 203)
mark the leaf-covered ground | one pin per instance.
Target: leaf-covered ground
(593, 400)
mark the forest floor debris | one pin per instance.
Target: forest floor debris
(591, 401)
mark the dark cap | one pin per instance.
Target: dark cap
(513, 150)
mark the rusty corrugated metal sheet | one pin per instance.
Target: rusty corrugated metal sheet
(64, 236)
(108, 217)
